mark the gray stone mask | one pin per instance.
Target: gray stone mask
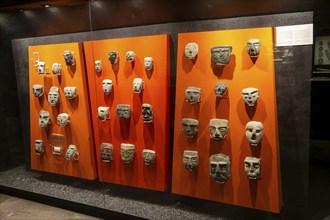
(137, 85)
(68, 57)
(56, 68)
(252, 167)
(148, 63)
(220, 55)
(106, 152)
(190, 160)
(147, 115)
(103, 113)
(250, 96)
(63, 119)
(130, 56)
(148, 156)
(254, 131)
(193, 95)
(189, 127)
(253, 47)
(218, 129)
(98, 66)
(53, 96)
(39, 147)
(123, 111)
(41, 67)
(70, 92)
(113, 57)
(107, 86)
(127, 152)
(191, 50)
(220, 89)
(220, 167)
(44, 119)
(72, 153)
(37, 90)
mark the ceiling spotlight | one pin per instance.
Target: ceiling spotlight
(45, 5)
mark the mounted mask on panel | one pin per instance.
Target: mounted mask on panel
(189, 127)
(123, 111)
(107, 86)
(56, 68)
(72, 153)
(218, 129)
(127, 152)
(113, 57)
(44, 119)
(130, 56)
(193, 95)
(148, 156)
(103, 113)
(37, 90)
(53, 96)
(254, 130)
(41, 67)
(106, 152)
(191, 50)
(220, 167)
(63, 119)
(252, 167)
(220, 89)
(98, 66)
(69, 58)
(148, 63)
(147, 114)
(250, 96)
(39, 147)
(253, 47)
(190, 160)
(220, 55)
(70, 92)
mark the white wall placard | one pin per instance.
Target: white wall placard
(294, 35)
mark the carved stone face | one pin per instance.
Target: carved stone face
(190, 160)
(147, 113)
(63, 119)
(189, 127)
(72, 152)
(56, 68)
(41, 67)
(53, 96)
(220, 55)
(254, 130)
(123, 111)
(137, 85)
(127, 152)
(98, 66)
(252, 167)
(70, 92)
(130, 56)
(148, 156)
(220, 89)
(106, 152)
(107, 86)
(37, 90)
(220, 167)
(191, 50)
(103, 113)
(218, 129)
(148, 63)
(44, 119)
(39, 147)
(113, 57)
(193, 95)
(250, 96)
(68, 57)
(253, 47)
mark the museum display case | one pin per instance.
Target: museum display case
(148, 115)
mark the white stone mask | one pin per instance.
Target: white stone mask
(63, 119)
(107, 86)
(70, 92)
(68, 57)
(72, 153)
(98, 66)
(123, 111)
(250, 96)
(220, 167)
(252, 167)
(130, 56)
(253, 47)
(106, 152)
(190, 160)
(103, 113)
(148, 156)
(254, 131)
(147, 114)
(189, 127)
(44, 119)
(53, 96)
(137, 85)
(127, 152)
(113, 57)
(37, 90)
(218, 129)
(148, 63)
(220, 55)
(220, 89)
(39, 147)
(41, 67)
(193, 95)
(56, 68)
(191, 50)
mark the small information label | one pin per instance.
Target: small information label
(294, 35)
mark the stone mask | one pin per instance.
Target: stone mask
(130, 56)
(193, 95)
(252, 167)
(147, 115)
(56, 68)
(41, 67)
(148, 156)
(107, 86)
(70, 92)
(137, 85)
(191, 50)
(68, 57)
(189, 127)
(39, 147)
(218, 129)
(37, 90)
(220, 89)
(148, 63)
(254, 131)
(72, 153)
(63, 119)
(220, 167)
(250, 96)
(190, 160)
(98, 66)
(103, 113)
(113, 57)
(123, 111)
(106, 152)
(53, 96)
(127, 152)
(253, 47)
(220, 55)
(44, 119)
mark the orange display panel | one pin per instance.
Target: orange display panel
(153, 136)
(240, 73)
(79, 131)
